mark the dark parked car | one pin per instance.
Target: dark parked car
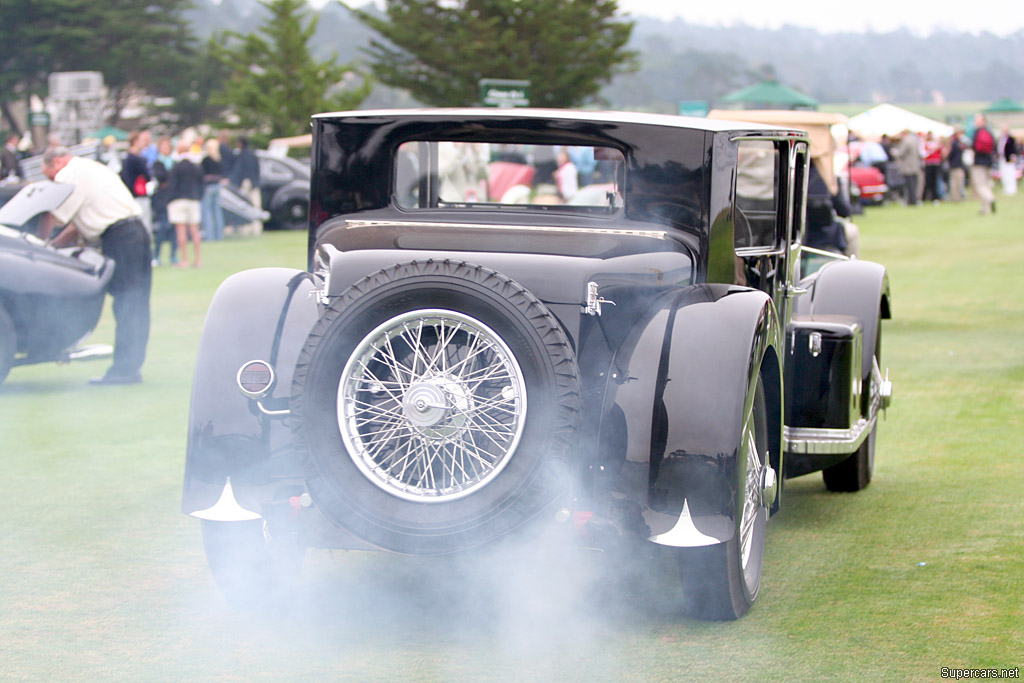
(50, 299)
(284, 183)
(640, 366)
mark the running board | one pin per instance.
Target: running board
(815, 441)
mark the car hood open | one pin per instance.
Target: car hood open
(33, 200)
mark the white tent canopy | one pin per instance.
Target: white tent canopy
(887, 119)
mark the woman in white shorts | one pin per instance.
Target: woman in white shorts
(186, 189)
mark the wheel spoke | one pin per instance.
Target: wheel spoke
(375, 381)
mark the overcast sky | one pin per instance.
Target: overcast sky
(1001, 17)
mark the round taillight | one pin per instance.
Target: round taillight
(255, 379)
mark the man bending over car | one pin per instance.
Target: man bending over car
(100, 206)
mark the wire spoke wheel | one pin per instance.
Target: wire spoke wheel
(410, 404)
(755, 507)
(431, 405)
(721, 581)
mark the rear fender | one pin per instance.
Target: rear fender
(716, 343)
(263, 314)
(855, 288)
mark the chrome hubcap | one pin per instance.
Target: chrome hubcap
(431, 405)
(769, 487)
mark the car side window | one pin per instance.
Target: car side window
(756, 203)
(274, 171)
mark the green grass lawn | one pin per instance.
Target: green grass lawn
(104, 578)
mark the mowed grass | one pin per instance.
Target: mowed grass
(104, 578)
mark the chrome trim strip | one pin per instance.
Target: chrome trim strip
(91, 352)
(651, 234)
(822, 252)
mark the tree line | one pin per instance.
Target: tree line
(266, 71)
(268, 81)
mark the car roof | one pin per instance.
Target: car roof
(640, 118)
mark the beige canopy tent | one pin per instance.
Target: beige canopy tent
(818, 124)
(888, 119)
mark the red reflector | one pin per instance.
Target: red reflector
(580, 519)
(255, 378)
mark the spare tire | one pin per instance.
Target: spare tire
(437, 402)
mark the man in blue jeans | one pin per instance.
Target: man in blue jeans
(100, 206)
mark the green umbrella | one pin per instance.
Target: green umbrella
(770, 95)
(1005, 105)
(109, 130)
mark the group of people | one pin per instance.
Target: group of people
(154, 188)
(178, 188)
(949, 166)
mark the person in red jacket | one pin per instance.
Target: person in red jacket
(932, 167)
(984, 146)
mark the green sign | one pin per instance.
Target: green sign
(498, 92)
(39, 118)
(698, 108)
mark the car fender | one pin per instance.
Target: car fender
(33, 269)
(853, 288)
(715, 339)
(54, 297)
(262, 314)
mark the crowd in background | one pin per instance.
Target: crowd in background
(923, 167)
(176, 182)
(178, 186)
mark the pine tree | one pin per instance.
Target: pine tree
(439, 50)
(136, 44)
(276, 84)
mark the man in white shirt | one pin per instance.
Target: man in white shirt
(102, 207)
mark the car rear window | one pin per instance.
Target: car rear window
(494, 175)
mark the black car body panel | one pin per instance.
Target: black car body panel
(227, 436)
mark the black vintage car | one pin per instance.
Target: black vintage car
(50, 299)
(519, 320)
(284, 186)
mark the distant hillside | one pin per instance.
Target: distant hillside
(849, 67)
(684, 61)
